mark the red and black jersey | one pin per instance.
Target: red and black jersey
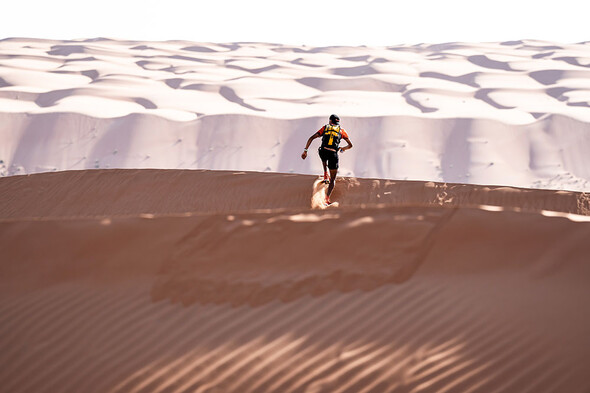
(332, 135)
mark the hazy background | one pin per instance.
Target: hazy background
(316, 23)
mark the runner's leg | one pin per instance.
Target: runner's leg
(333, 173)
(324, 162)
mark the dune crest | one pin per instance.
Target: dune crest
(155, 192)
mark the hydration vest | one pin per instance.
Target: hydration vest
(332, 136)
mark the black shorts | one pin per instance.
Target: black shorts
(330, 156)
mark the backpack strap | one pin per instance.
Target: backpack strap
(333, 128)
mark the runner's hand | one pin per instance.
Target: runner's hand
(341, 150)
(303, 155)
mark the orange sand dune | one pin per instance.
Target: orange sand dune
(156, 191)
(181, 281)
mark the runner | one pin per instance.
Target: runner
(331, 135)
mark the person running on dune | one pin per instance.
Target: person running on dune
(331, 135)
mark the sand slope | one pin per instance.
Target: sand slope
(512, 113)
(164, 192)
(184, 291)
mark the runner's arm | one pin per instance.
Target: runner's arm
(311, 138)
(348, 147)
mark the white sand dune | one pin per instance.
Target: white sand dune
(513, 113)
(184, 281)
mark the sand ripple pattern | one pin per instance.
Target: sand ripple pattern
(421, 337)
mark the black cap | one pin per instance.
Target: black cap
(335, 119)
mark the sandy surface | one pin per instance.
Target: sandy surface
(159, 231)
(200, 281)
(512, 113)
